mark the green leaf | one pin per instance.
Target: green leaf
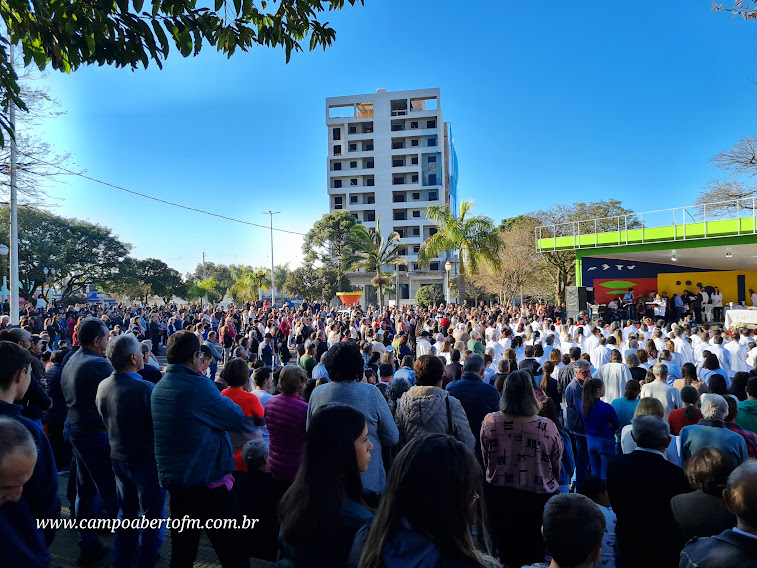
(161, 37)
(138, 5)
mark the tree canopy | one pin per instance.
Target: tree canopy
(327, 240)
(80, 252)
(66, 35)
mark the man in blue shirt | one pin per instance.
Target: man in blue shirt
(678, 302)
(123, 401)
(576, 427)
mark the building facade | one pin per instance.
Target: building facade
(390, 156)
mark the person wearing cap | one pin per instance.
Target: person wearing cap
(266, 351)
(423, 345)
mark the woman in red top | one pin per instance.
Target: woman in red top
(689, 414)
(237, 376)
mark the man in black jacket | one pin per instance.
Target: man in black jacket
(82, 374)
(645, 533)
(530, 364)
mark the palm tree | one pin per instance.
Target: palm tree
(367, 249)
(247, 283)
(475, 237)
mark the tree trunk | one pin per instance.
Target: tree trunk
(461, 283)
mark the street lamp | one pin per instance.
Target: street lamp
(4, 250)
(448, 267)
(410, 285)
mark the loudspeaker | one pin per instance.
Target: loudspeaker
(576, 298)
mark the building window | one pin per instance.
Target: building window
(367, 127)
(352, 130)
(433, 196)
(398, 127)
(401, 233)
(337, 149)
(355, 215)
(369, 216)
(337, 206)
(400, 215)
(399, 107)
(370, 199)
(416, 196)
(432, 179)
(414, 178)
(337, 166)
(414, 125)
(369, 164)
(369, 182)
(396, 163)
(353, 181)
(434, 266)
(402, 251)
(432, 231)
(432, 159)
(337, 184)
(398, 180)
(367, 146)
(432, 141)
(430, 124)
(397, 144)
(337, 133)
(338, 199)
(414, 142)
(398, 198)
(416, 214)
(417, 249)
(353, 164)
(416, 232)
(353, 198)
(352, 147)
(416, 266)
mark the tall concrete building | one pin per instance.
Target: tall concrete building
(390, 156)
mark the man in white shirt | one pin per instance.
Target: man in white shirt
(592, 342)
(506, 340)
(724, 357)
(496, 347)
(754, 297)
(668, 395)
(423, 345)
(738, 354)
(702, 346)
(615, 375)
(683, 347)
(601, 354)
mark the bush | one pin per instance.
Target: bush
(428, 295)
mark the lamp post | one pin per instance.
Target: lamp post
(409, 285)
(46, 272)
(4, 250)
(448, 267)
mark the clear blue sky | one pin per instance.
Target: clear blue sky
(548, 103)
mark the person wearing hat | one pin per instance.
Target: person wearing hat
(423, 345)
(266, 351)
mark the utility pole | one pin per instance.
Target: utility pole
(204, 277)
(273, 285)
(14, 307)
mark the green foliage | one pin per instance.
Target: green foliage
(429, 295)
(313, 283)
(327, 240)
(145, 278)
(280, 273)
(248, 281)
(368, 250)
(67, 35)
(475, 237)
(80, 252)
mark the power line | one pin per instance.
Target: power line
(160, 200)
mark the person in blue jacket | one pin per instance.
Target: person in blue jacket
(23, 503)
(194, 454)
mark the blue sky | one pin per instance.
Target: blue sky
(548, 103)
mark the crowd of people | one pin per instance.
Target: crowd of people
(453, 436)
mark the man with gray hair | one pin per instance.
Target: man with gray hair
(736, 547)
(477, 398)
(575, 423)
(123, 401)
(668, 395)
(647, 507)
(711, 431)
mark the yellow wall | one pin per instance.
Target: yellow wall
(725, 280)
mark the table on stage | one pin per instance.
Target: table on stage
(733, 316)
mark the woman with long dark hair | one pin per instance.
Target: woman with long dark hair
(431, 502)
(327, 492)
(688, 415)
(601, 422)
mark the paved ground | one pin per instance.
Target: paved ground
(65, 551)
